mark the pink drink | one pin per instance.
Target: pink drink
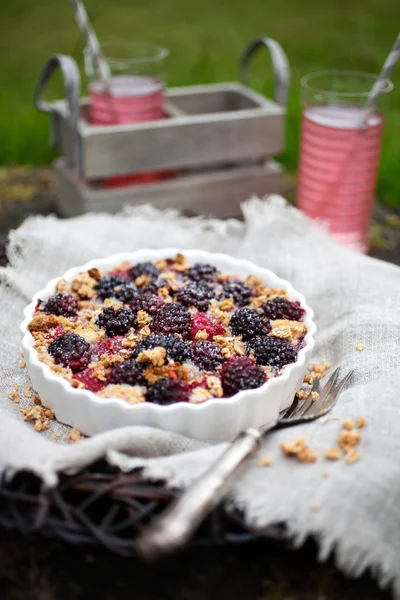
(338, 170)
(129, 99)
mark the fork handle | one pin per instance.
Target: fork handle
(180, 520)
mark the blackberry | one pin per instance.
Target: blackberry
(153, 286)
(70, 350)
(167, 391)
(62, 305)
(196, 294)
(144, 268)
(241, 373)
(172, 318)
(248, 323)
(176, 349)
(201, 322)
(147, 301)
(201, 272)
(274, 352)
(280, 308)
(116, 322)
(237, 290)
(116, 287)
(129, 372)
(207, 355)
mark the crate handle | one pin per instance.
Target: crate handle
(72, 88)
(280, 66)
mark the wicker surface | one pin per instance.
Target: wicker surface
(104, 506)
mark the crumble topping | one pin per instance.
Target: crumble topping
(143, 318)
(168, 330)
(94, 274)
(84, 285)
(42, 323)
(348, 439)
(298, 448)
(171, 279)
(39, 415)
(352, 456)
(142, 280)
(201, 335)
(74, 435)
(156, 356)
(199, 395)
(226, 304)
(60, 286)
(333, 453)
(317, 371)
(181, 263)
(130, 394)
(214, 386)
(361, 422)
(264, 461)
(14, 396)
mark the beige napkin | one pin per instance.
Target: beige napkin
(352, 509)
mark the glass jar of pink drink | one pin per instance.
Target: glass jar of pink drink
(339, 161)
(135, 90)
(134, 93)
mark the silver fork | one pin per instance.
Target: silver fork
(175, 526)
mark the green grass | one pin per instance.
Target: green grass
(206, 39)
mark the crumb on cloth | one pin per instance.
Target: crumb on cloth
(74, 435)
(264, 461)
(298, 448)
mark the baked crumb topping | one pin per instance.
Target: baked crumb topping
(214, 386)
(264, 461)
(74, 435)
(132, 394)
(299, 448)
(333, 453)
(199, 395)
(156, 356)
(361, 422)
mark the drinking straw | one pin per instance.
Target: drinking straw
(95, 49)
(91, 38)
(380, 83)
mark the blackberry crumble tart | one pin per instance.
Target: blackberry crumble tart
(167, 332)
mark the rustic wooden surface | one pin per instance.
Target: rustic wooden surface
(48, 570)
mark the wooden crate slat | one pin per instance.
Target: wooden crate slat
(217, 193)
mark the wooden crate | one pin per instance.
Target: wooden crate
(205, 126)
(217, 193)
(218, 137)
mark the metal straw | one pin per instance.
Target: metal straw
(380, 83)
(91, 38)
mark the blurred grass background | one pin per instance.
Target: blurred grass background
(206, 39)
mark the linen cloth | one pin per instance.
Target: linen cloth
(354, 510)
